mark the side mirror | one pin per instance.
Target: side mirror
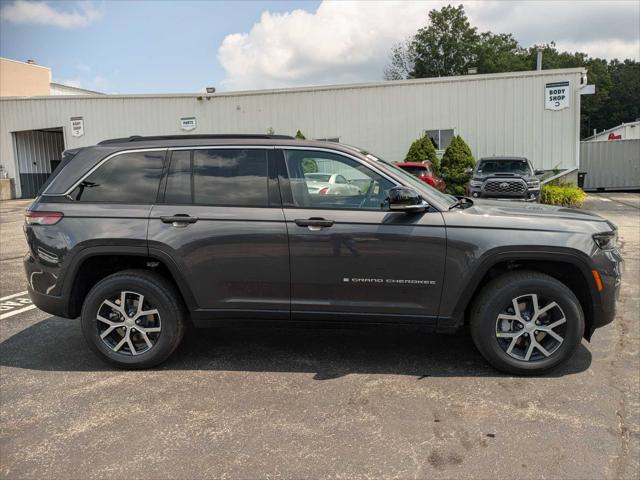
(538, 172)
(468, 170)
(405, 199)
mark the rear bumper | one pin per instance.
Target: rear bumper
(38, 277)
(57, 306)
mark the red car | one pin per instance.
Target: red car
(424, 171)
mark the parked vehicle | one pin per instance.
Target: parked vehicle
(424, 171)
(505, 177)
(328, 184)
(140, 236)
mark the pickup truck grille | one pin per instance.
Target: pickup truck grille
(504, 187)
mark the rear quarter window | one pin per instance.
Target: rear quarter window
(127, 178)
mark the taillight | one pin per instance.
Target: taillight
(42, 218)
(323, 191)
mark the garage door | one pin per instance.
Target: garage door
(38, 153)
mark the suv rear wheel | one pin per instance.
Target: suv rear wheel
(526, 323)
(133, 319)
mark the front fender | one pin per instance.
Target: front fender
(464, 279)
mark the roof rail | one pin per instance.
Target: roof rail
(138, 138)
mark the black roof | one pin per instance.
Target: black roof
(502, 158)
(234, 136)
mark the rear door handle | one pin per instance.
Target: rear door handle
(314, 223)
(179, 220)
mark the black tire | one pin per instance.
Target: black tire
(160, 294)
(497, 295)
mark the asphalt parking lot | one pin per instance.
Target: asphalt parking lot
(311, 403)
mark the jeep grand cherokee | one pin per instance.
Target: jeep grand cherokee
(140, 236)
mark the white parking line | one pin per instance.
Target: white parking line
(14, 304)
(13, 296)
(16, 312)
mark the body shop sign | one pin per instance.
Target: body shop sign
(556, 95)
(77, 126)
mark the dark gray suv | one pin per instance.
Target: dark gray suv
(141, 236)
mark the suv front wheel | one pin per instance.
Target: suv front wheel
(133, 319)
(526, 323)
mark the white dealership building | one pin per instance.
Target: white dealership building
(534, 114)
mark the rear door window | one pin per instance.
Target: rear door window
(230, 177)
(128, 178)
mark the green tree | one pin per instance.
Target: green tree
(447, 46)
(450, 45)
(623, 104)
(501, 52)
(422, 150)
(456, 164)
(300, 135)
(402, 62)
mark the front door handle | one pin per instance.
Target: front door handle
(179, 220)
(314, 224)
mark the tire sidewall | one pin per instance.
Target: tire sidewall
(487, 341)
(112, 286)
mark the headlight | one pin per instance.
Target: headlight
(476, 183)
(606, 240)
(534, 184)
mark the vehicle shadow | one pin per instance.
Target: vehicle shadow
(57, 344)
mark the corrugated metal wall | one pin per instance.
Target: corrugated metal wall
(611, 165)
(501, 114)
(35, 150)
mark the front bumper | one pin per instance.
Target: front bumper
(532, 195)
(610, 266)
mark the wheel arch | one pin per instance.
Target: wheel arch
(572, 268)
(93, 264)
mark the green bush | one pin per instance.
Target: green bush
(300, 135)
(563, 195)
(309, 165)
(455, 165)
(421, 150)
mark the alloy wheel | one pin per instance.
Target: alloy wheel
(128, 323)
(531, 328)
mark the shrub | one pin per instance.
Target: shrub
(563, 195)
(422, 149)
(455, 165)
(309, 165)
(300, 135)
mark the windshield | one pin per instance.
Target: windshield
(414, 182)
(417, 171)
(517, 166)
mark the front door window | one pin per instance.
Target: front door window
(327, 181)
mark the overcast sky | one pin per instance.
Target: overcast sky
(147, 46)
